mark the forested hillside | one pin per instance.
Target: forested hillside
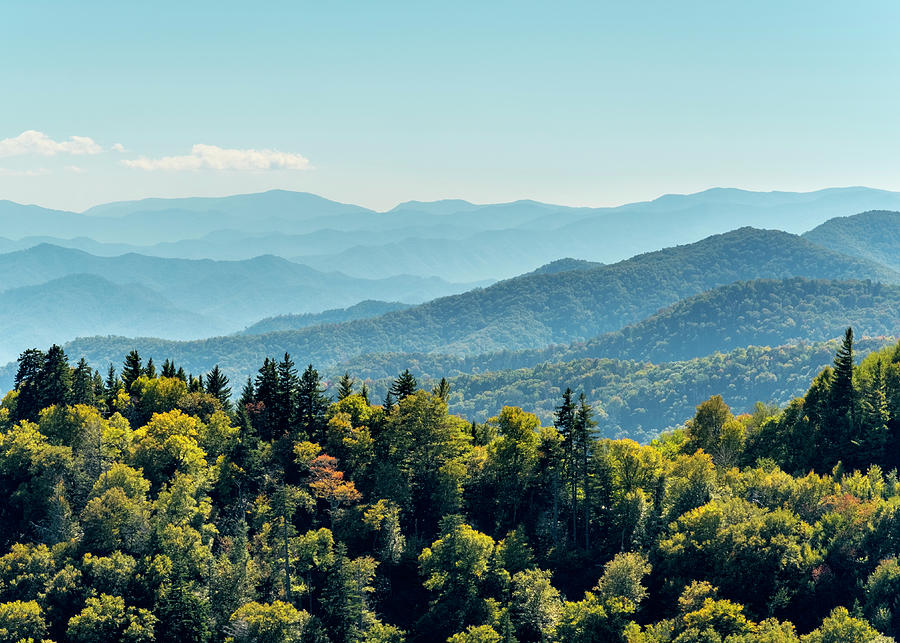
(362, 310)
(532, 311)
(142, 505)
(871, 235)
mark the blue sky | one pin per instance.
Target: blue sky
(591, 103)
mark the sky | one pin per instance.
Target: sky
(374, 103)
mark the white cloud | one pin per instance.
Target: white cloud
(34, 142)
(213, 157)
(117, 147)
(75, 169)
(39, 172)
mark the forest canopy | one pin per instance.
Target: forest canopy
(145, 503)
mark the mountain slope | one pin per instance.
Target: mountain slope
(362, 310)
(532, 311)
(238, 291)
(872, 235)
(77, 305)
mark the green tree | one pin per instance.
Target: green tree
(404, 386)
(21, 621)
(276, 622)
(217, 386)
(345, 386)
(106, 618)
(132, 369)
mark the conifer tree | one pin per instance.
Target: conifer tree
(150, 369)
(82, 383)
(364, 392)
(248, 394)
(168, 369)
(266, 394)
(55, 378)
(27, 382)
(286, 397)
(442, 390)
(388, 404)
(111, 388)
(217, 386)
(345, 386)
(132, 369)
(565, 424)
(311, 405)
(180, 374)
(584, 439)
(404, 385)
(842, 393)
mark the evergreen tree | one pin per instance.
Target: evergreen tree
(248, 394)
(388, 404)
(82, 383)
(217, 386)
(345, 386)
(442, 390)
(565, 424)
(311, 406)
(28, 403)
(404, 385)
(583, 426)
(286, 397)
(150, 369)
(132, 369)
(195, 384)
(111, 388)
(180, 374)
(168, 369)
(364, 392)
(55, 378)
(842, 393)
(266, 395)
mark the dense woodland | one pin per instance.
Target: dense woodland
(145, 503)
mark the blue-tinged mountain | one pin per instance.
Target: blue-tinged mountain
(80, 304)
(235, 293)
(872, 235)
(533, 311)
(362, 310)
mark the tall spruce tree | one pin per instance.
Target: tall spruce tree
(266, 395)
(28, 403)
(132, 369)
(404, 386)
(842, 393)
(168, 369)
(217, 386)
(565, 424)
(583, 429)
(286, 397)
(442, 390)
(345, 386)
(82, 383)
(311, 406)
(150, 369)
(55, 378)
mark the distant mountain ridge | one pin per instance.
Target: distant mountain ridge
(529, 312)
(462, 241)
(873, 235)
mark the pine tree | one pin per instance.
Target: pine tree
(876, 416)
(180, 374)
(286, 397)
(132, 369)
(842, 394)
(364, 392)
(311, 406)
(266, 395)
(168, 369)
(404, 385)
(442, 390)
(28, 403)
(388, 404)
(248, 394)
(55, 378)
(345, 386)
(217, 386)
(111, 389)
(584, 439)
(565, 424)
(82, 383)
(839, 428)
(150, 369)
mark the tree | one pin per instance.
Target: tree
(840, 627)
(168, 369)
(328, 484)
(132, 369)
(82, 383)
(345, 386)
(623, 576)
(28, 384)
(55, 378)
(105, 618)
(565, 424)
(217, 386)
(150, 369)
(583, 436)
(442, 390)
(536, 606)
(404, 385)
(21, 621)
(276, 622)
(311, 406)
